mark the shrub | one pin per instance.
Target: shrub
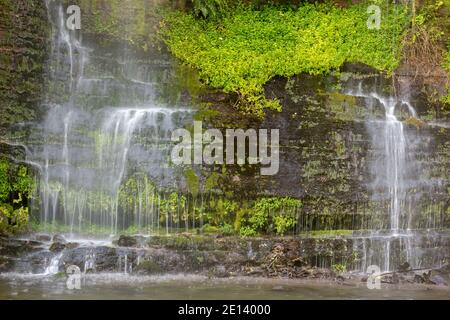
(247, 47)
(270, 215)
(247, 231)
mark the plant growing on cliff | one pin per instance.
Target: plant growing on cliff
(271, 215)
(5, 186)
(16, 186)
(248, 47)
(446, 99)
(339, 268)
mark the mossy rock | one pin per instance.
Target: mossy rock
(149, 267)
(183, 242)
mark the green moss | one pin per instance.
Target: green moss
(339, 268)
(149, 267)
(181, 242)
(131, 20)
(446, 99)
(16, 187)
(5, 186)
(327, 233)
(246, 48)
(270, 215)
(23, 51)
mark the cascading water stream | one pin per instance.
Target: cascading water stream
(53, 267)
(397, 173)
(391, 172)
(108, 108)
(395, 161)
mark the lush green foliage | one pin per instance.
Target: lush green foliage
(447, 59)
(5, 186)
(246, 48)
(339, 268)
(446, 99)
(16, 187)
(269, 215)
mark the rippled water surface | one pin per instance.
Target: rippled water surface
(122, 286)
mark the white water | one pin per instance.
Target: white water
(391, 171)
(88, 136)
(53, 267)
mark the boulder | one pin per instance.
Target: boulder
(127, 241)
(43, 237)
(59, 238)
(57, 247)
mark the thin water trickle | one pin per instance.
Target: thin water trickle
(393, 241)
(53, 267)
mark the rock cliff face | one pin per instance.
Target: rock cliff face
(24, 34)
(313, 258)
(330, 153)
(331, 156)
(327, 150)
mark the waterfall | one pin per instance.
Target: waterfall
(391, 168)
(395, 160)
(103, 126)
(396, 173)
(53, 267)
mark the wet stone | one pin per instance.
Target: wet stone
(43, 237)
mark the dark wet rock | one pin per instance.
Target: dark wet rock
(6, 264)
(167, 260)
(418, 279)
(130, 241)
(43, 237)
(59, 243)
(72, 245)
(149, 267)
(404, 267)
(216, 97)
(59, 238)
(188, 253)
(40, 261)
(57, 247)
(35, 262)
(390, 278)
(18, 247)
(427, 277)
(22, 255)
(104, 258)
